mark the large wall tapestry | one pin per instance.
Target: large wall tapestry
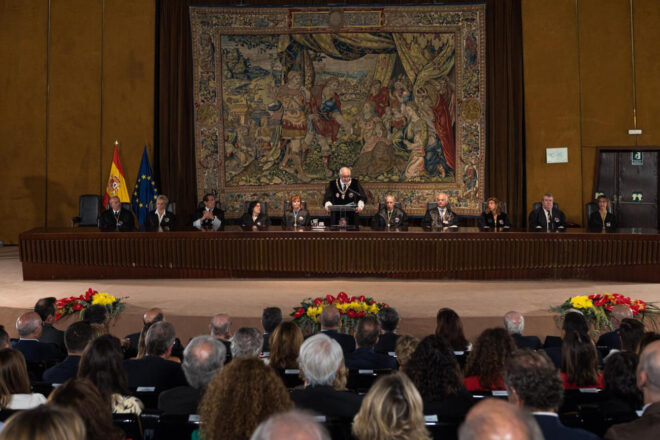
(285, 97)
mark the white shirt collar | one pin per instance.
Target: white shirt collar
(545, 413)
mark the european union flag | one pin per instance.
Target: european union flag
(145, 190)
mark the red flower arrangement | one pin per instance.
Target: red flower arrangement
(72, 304)
(351, 309)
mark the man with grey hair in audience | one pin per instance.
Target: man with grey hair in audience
(291, 425)
(219, 328)
(514, 322)
(493, 419)
(29, 329)
(330, 327)
(247, 341)
(321, 359)
(203, 357)
(155, 369)
(648, 380)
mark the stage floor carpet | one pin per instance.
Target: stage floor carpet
(189, 304)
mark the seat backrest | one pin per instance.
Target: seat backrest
(502, 205)
(381, 205)
(590, 207)
(175, 427)
(287, 206)
(130, 424)
(361, 380)
(88, 209)
(264, 206)
(171, 207)
(537, 205)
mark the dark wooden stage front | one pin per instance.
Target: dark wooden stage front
(465, 254)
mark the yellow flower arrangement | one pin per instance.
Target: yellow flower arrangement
(581, 302)
(103, 299)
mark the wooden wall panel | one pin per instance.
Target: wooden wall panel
(605, 72)
(552, 101)
(128, 83)
(22, 115)
(647, 69)
(74, 106)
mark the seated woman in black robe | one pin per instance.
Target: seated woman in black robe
(254, 218)
(296, 216)
(493, 217)
(602, 220)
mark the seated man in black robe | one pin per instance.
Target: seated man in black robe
(344, 191)
(442, 216)
(116, 218)
(208, 217)
(390, 216)
(547, 218)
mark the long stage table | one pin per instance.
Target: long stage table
(465, 254)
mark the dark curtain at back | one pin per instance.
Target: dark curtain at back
(175, 152)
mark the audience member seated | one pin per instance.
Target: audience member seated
(220, 329)
(82, 397)
(294, 424)
(154, 369)
(203, 357)
(270, 319)
(450, 327)
(247, 341)
(285, 344)
(573, 322)
(116, 218)
(534, 385)
(330, 325)
(579, 362)
(364, 356)
(611, 340)
(388, 319)
(646, 339)
(5, 342)
(29, 329)
(150, 316)
(405, 347)
(631, 332)
(15, 383)
(619, 376)
(321, 359)
(45, 422)
(514, 322)
(436, 374)
(392, 409)
(45, 308)
(254, 218)
(241, 396)
(96, 314)
(648, 380)
(76, 338)
(101, 363)
(485, 365)
(493, 419)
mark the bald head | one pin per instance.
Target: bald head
(153, 315)
(329, 318)
(619, 313)
(514, 322)
(493, 419)
(648, 372)
(220, 325)
(28, 325)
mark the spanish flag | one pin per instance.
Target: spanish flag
(116, 182)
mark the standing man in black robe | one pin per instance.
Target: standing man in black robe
(344, 191)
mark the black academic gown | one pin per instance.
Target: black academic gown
(207, 224)
(353, 194)
(301, 218)
(432, 218)
(397, 219)
(596, 223)
(123, 223)
(168, 222)
(262, 221)
(538, 222)
(487, 219)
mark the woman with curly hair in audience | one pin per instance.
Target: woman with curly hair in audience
(404, 348)
(485, 365)
(241, 396)
(44, 422)
(101, 363)
(436, 374)
(391, 410)
(579, 362)
(82, 397)
(621, 392)
(15, 383)
(285, 342)
(450, 326)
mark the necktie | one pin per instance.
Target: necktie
(547, 218)
(343, 187)
(116, 213)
